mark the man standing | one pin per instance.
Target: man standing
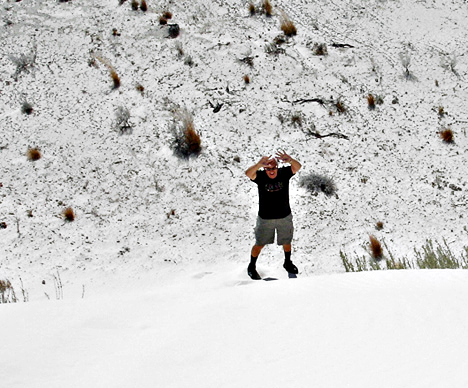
(274, 212)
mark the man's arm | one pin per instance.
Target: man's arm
(251, 172)
(285, 158)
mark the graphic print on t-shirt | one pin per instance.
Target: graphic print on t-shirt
(271, 187)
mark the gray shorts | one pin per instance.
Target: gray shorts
(265, 231)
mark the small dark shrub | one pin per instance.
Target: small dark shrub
(440, 111)
(140, 88)
(135, 5)
(316, 183)
(252, 9)
(296, 120)
(3, 225)
(379, 225)
(122, 121)
(26, 108)
(68, 214)
(246, 79)
(162, 21)
(33, 154)
(173, 30)
(446, 135)
(143, 6)
(167, 15)
(320, 49)
(375, 248)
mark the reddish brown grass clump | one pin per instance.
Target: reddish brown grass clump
(287, 26)
(167, 15)
(371, 101)
(252, 9)
(33, 154)
(375, 248)
(379, 225)
(143, 6)
(115, 78)
(267, 8)
(68, 214)
(192, 139)
(246, 79)
(162, 20)
(446, 135)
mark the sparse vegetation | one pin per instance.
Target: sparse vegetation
(246, 79)
(379, 225)
(430, 256)
(162, 20)
(134, 5)
(24, 62)
(143, 6)
(252, 9)
(446, 135)
(187, 141)
(33, 154)
(316, 183)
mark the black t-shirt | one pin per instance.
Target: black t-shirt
(273, 194)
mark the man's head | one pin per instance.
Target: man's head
(272, 169)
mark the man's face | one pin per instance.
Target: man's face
(272, 169)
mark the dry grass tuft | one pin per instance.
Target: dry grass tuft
(33, 154)
(115, 79)
(162, 20)
(441, 111)
(287, 26)
(446, 135)
(252, 9)
(371, 101)
(340, 107)
(68, 214)
(135, 5)
(246, 79)
(143, 6)
(140, 88)
(375, 248)
(187, 140)
(267, 8)
(379, 225)
(167, 15)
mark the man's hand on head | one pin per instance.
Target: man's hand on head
(283, 156)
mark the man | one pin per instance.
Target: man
(274, 212)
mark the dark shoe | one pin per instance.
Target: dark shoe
(290, 267)
(252, 272)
